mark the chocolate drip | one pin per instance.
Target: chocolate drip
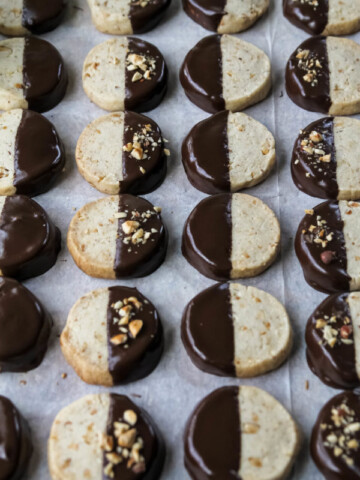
(325, 268)
(313, 95)
(205, 155)
(145, 95)
(207, 13)
(39, 154)
(213, 437)
(41, 16)
(207, 331)
(313, 18)
(146, 18)
(201, 74)
(44, 75)
(310, 174)
(207, 236)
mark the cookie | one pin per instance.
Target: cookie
(122, 152)
(16, 444)
(325, 159)
(105, 436)
(323, 75)
(234, 330)
(227, 152)
(125, 17)
(240, 432)
(224, 72)
(29, 241)
(22, 17)
(125, 74)
(231, 236)
(225, 16)
(118, 237)
(324, 17)
(335, 437)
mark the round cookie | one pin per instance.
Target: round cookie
(114, 439)
(224, 72)
(123, 340)
(227, 152)
(122, 152)
(323, 75)
(240, 432)
(335, 438)
(324, 17)
(325, 159)
(118, 237)
(234, 330)
(29, 241)
(225, 16)
(125, 74)
(125, 17)
(231, 236)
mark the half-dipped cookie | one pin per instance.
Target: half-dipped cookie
(234, 330)
(118, 237)
(102, 437)
(112, 336)
(323, 75)
(122, 152)
(240, 432)
(125, 74)
(225, 16)
(224, 72)
(227, 152)
(231, 236)
(29, 241)
(325, 159)
(327, 245)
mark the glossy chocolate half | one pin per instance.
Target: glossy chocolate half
(207, 13)
(309, 15)
(39, 16)
(145, 18)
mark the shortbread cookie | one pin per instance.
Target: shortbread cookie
(323, 75)
(118, 237)
(325, 159)
(29, 241)
(24, 328)
(238, 331)
(228, 152)
(122, 152)
(240, 432)
(225, 16)
(22, 17)
(105, 436)
(324, 17)
(125, 74)
(231, 236)
(125, 17)
(335, 437)
(32, 156)
(123, 340)
(224, 72)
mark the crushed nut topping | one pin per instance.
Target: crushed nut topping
(320, 234)
(143, 66)
(141, 3)
(134, 229)
(311, 3)
(336, 329)
(125, 316)
(310, 64)
(317, 150)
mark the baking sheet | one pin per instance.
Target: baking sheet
(170, 393)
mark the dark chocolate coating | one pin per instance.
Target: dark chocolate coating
(146, 18)
(207, 331)
(15, 442)
(313, 97)
(201, 74)
(207, 13)
(29, 241)
(206, 240)
(44, 75)
(212, 437)
(335, 366)
(39, 155)
(143, 259)
(205, 154)
(309, 173)
(309, 17)
(154, 447)
(145, 95)
(326, 277)
(332, 467)
(41, 16)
